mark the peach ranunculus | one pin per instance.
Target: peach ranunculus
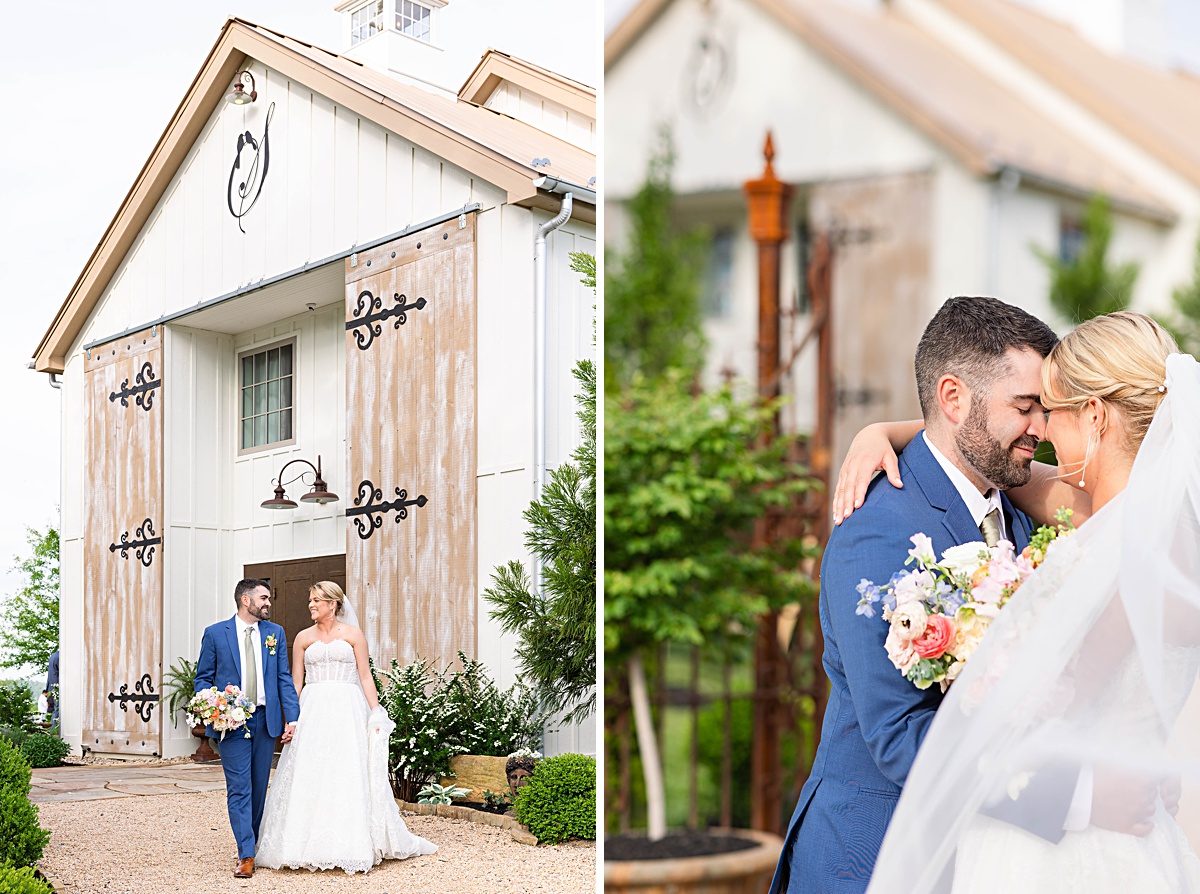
(937, 637)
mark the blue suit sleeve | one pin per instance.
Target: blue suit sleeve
(287, 686)
(892, 713)
(206, 667)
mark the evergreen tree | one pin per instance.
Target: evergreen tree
(29, 632)
(1085, 286)
(652, 313)
(556, 625)
(1183, 321)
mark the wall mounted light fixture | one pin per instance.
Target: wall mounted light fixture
(237, 94)
(320, 492)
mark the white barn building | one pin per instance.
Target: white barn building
(940, 138)
(342, 269)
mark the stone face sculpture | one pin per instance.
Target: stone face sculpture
(518, 769)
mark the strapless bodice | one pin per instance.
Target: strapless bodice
(331, 662)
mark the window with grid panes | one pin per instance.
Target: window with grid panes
(413, 19)
(366, 22)
(267, 397)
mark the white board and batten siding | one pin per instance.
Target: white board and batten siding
(545, 114)
(335, 180)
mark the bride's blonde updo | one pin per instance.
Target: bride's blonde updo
(1120, 358)
(328, 591)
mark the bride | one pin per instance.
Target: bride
(330, 804)
(1086, 678)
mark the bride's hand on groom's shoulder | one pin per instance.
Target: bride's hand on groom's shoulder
(870, 452)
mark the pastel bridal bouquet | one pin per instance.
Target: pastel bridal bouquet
(223, 709)
(939, 611)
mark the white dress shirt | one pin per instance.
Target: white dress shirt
(258, 659)
(978, 504)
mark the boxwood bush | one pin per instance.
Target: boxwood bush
(559, 800)
(16, 705)
(22, 881)
(22, 840)
(44, 750)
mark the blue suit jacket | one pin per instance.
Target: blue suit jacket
(221, 664)
(876, 719)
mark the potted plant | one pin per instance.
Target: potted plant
(179, 684)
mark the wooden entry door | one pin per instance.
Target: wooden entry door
(411, 443)
(289, 588)
(123, 545)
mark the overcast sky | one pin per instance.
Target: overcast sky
(90, 88)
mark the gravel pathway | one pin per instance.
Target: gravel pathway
(182, 844)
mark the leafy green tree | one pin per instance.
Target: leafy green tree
(29, 632)
(652, 315)
(556, 625)
(1183, 321)
(686, 478)
(1085, 286)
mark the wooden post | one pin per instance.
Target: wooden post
(769, 202)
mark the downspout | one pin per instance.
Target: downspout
(54, 382)
(539, 360)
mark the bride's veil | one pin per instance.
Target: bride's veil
(1088, 671)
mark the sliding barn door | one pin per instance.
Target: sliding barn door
(123, 523)
(410, 443)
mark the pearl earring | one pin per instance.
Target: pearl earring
(1087, 457)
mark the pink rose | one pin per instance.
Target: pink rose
(937, 637)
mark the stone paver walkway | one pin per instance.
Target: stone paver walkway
(94, 783)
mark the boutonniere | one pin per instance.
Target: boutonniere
(271, 643)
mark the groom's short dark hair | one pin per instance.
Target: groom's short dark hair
(248, 585)
(967, 337)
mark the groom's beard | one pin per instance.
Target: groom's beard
(261, 613)
(1000, 465)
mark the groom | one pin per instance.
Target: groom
(978, 370)
(251, 653)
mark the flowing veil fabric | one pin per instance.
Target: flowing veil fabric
(1089, 674)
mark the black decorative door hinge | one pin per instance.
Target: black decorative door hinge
(367, 504)
(144, 384)
(374, 317)
(143, 546)
(144, 698)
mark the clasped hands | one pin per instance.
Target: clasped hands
(1126, 802)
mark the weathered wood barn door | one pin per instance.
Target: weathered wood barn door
(410, 443)
(123, 523)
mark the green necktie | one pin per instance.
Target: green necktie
(251, 667)
(990, 527)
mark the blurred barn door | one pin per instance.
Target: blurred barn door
(882, 229)
(410, 443)
(123, 549)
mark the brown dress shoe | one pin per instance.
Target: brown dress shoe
(245, 868)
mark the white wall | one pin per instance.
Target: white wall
(544, 114)
(335, 180)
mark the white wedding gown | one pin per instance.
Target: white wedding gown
(330, 804)
(995, 857)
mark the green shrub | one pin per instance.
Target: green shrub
(559, 800)
(44, 750)
(13, 734)
(22, 881)
(15, 774)
(16, 705)
(22, 840)
(485, 719)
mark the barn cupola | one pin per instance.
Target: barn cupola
(411, 40)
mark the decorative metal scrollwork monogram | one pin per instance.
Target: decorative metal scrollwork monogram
(365, 504)
(144, 384)
(373, 322)
(250, 189)
(145, 697)
(143, 546)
